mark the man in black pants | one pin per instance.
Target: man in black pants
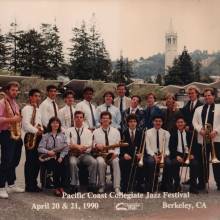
(179, 145)
(31, 124)
(11, 143)
(205, 116)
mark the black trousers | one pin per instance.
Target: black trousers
(31, 168)
(60, 171)
(151, 168)
(193, 166)
(10, 158)
(135, 176)
(203, 167)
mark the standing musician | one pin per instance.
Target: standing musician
(181, 150)
(104, 136)
(133, 109)
(88, 108)
(54, 145)
(128, 155)
(109, 107)
(66, 114)
(209, 140)
(32, 126)
(151, 110)
(122, 102)
(10, 140)
(79, 140)
(157, 147)
(48, 107)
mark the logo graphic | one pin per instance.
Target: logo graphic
(123, 206)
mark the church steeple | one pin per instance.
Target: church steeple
(171, 46)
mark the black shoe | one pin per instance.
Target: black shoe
(177, 188)
(73, 189)
(187, 182)
(33, 189)
(193, 190)
(92, 188)
(201, 186)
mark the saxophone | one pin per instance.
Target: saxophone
(15, 127)
(30, 139)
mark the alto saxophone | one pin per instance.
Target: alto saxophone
(15, 127)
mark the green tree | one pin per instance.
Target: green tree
(159, 79)
(197, 68)
(3, 52)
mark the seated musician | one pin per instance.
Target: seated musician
(103, 136)
(54, 145)
(180, 147)
(79, 139)
(157, 141)
(130, 172)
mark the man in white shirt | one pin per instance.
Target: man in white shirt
(88, 108)
(157, 147)
(48, 107)
(208, 114)
(66, 114)
(109, 107)
(104, 136)
(31, 123)
(122, 102)
(79, 139)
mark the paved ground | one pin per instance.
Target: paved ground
(24, 206)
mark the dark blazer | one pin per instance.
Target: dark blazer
(148, 120)
(173, 143)
(188, 115)
(140, 119)
(131, 148)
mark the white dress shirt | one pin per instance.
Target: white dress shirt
(26, 113)
(64, 115)
(115, 112)
(151, 141)
(84, 107)
(47, 110)
(179, 146)
(85, 137)
(113, 137)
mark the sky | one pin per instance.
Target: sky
(134, 27)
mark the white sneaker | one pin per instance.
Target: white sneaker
(117, 190)
(3, 193)
(14, 189)
(101, 190)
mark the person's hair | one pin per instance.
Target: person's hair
(69, 92)
(136, 96)
(88, 89)
(193, 88)
(121, 84)
(12, 84)
(79, 113)
(33, 91)
(131, 117)
(157, 117)
(49, 128)
(209, 90)
(150, 94)
(180, 117)
(169, 95)
(106, 113)
(49, 87)
(109, 93)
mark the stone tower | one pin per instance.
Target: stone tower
(171, 47)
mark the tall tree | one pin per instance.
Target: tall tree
(159, 79)
(3, 51)
(53, 47)
(197, 68)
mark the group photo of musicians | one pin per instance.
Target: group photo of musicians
(81, 146)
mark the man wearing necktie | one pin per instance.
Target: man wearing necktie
(104, 136)
(66, 114)
(179, 145)
(48, 107)
(157, 142)
(209, 113)
(79, 139)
